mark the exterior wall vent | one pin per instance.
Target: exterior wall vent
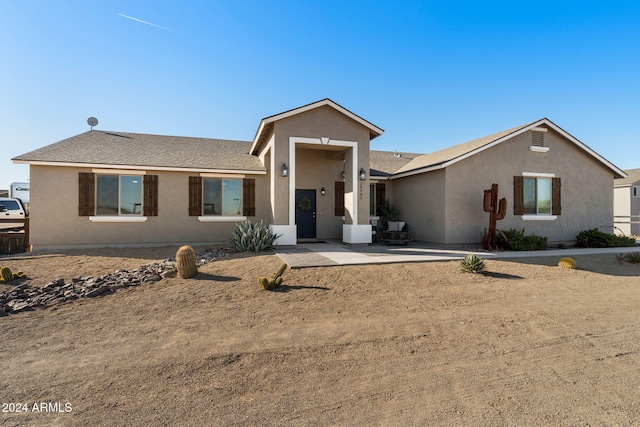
(537, 139)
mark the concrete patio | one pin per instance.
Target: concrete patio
(328, 253)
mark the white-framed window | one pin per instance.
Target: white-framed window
(222, 197)
(119, 195)
(537, 196)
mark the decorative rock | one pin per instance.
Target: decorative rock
(152, 278)
(169, 274)
(98, 291)
(24, 297)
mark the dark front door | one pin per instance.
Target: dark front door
(306, 213)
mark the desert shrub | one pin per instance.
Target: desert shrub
(633, 257)
(595, 238)
(250, 237)
(514, 239)
(473, 264)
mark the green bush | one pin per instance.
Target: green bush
(514, 239)
(595, 238)
(249, 237)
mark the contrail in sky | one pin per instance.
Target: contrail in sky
(145, 22)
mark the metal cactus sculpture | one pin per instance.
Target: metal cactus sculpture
(497, 211)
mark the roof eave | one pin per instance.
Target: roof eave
(140, 167)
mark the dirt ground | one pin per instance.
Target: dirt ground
(528, 344)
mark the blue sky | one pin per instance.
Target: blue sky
(430, 73)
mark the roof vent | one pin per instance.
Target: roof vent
(537, 139)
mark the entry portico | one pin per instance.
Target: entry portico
(321, 147)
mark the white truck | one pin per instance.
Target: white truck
(12, 214)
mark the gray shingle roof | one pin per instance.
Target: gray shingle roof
(633, 176)
(385, 163)
(451, 153)
(97, 147)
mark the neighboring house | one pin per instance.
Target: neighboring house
(626, 208)
(310, 174)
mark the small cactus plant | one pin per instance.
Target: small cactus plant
(568, 263)
(473, 264)
(275, 280)
(186, 262)
(6, 275)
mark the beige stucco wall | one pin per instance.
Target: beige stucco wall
(318, 123)
(55, 221)
(627, 210)
(421, 201)
(587, 189)
(622, 209)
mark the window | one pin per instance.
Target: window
(372, 199)
(536, 197)
(222, 196)
(636, 191)
(10, 205)
(377, 195)
(117, 195)
(339, 198)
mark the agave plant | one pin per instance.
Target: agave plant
(473, 264)
(250, 237)
(633, 257)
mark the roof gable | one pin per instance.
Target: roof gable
(266, 124)
(448, 156)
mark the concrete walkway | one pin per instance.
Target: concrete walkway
(323, 254)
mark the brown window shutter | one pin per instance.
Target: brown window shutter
(518, 195)
(249, 197)
(195, 195)
(86, 194)
(150, 191)
(380, 196)
(339, 198)
(556, 200)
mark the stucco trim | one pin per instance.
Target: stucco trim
(537, 149)
(118, 218)
(533, 217)
(139, 168)
(119, 171)
(216, 218)
(293, 140)
(221, 175)
(539, 175)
